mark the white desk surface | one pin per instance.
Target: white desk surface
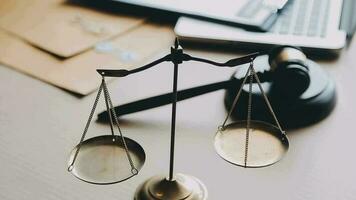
(40, 124)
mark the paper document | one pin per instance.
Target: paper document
(62, 28)
(78, 74)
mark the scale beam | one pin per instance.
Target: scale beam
(178, 57)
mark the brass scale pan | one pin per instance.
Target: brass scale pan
(251, 143)
(106, 159)
(268, 144)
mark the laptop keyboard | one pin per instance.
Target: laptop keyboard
(303, 18)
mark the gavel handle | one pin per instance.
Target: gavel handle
(165, 99)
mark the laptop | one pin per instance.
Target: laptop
(250, 14)
(310, 24)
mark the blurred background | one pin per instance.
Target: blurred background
(50, 51)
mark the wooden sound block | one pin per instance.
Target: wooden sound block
(310, 107)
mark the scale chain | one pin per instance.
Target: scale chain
(249, 107)
(235, 100)
(87, 125)
(133, 168)
(267, 101)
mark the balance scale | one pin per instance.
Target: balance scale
(113, 158)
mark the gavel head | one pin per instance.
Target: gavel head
(290, 69)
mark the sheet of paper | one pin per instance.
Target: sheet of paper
(62, 28)
(78, 74)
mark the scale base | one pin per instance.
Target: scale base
(182, 187)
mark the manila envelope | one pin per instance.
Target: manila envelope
(59, 27)
(78, 73)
